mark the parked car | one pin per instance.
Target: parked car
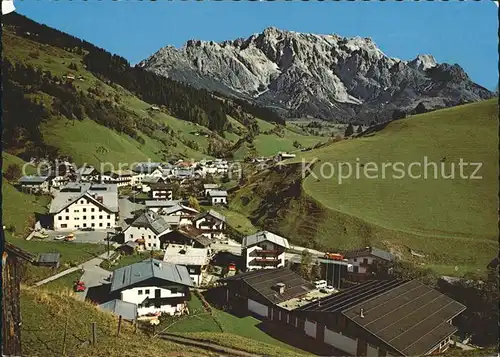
(70, 237)
(60, 237)
(328, 289)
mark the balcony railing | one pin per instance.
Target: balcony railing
(265, 252)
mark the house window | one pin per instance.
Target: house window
(82, 202)
(92, 209)
(75, 211)
(84, 210)
(355, 259)
(365, 261)
(108, 225)
(147, 292)
(84, 217)
(84, 225)
(154, 245)
(100, 216)
(67, 210)
(131, 236)
(356, 269)
(139, 292)
(92, 225)
(77, 218)
(109, 217)
(149, 244)
(100, 209)
(157, 305)
(67, 218)
(92, 217)
(100, 224)
(149, 236)
(64, 226)
(60, 218)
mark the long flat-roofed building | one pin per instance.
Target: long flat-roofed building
(382, 318)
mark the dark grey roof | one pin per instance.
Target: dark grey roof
(161, 203)
(379, 253)
(126, 310)
(264, 282)
(147, 269)
(408, 315)
(33, 179)
(212, 213)
(146, 167)
(49, 258)
(263, 236)
(151, 220)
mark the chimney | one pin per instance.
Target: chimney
(280, 287)
(361, 313)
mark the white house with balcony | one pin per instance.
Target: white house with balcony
(156, 287)
(264, 250)
(85, 205)
(212, 224)
(147, 229)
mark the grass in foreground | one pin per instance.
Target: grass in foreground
(201, 324)
(44, 317)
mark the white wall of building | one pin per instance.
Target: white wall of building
(219, 200)
(139, 294)
(257, 308)
(371, 351)
(356, 262)
(250, 256)
(83, 213)
(151, 240)
(310, 328)
(341, 342)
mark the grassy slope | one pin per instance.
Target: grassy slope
(74, 139)
(44, 316)
(453, 222)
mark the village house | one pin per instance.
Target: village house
(211, 223)
(121, 178)
(156, 206)
(264, 250)
(283, 155)
(209, 187)
(147, 230)
(82, 205)
(196, 260)
(161, 191)
(154, 286)
(186, 213)
(363, 259)
(217, 197)
(87, 174)
(185, 236)
(147, 181)
(259, 291)
(142, 170)
(32, 184)
(375, 318)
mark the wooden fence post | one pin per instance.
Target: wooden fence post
(94, 334)
(119, 325)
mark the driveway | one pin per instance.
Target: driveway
(93, 275)
(81, 236)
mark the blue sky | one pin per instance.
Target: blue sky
(454, 32)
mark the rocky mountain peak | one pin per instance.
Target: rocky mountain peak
(323, 76)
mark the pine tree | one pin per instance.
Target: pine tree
(349, 130)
